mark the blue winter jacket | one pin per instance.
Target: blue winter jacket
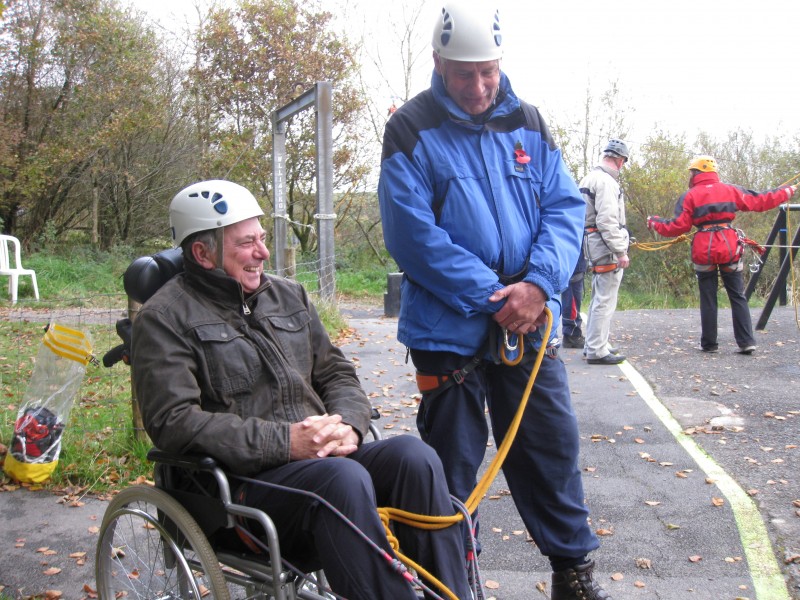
(460, 208)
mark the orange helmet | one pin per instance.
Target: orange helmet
(706, 164)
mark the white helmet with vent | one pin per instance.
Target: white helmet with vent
(468, 31)
(210, 205)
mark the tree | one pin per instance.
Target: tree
(254, 59)
(84, 102)
(582, 140)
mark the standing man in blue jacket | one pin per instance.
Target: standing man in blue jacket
(482, 216)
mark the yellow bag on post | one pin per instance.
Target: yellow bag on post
(57, 376)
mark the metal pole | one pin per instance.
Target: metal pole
(279, 193)
(326, 219)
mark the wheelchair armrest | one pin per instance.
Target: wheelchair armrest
(192, 462)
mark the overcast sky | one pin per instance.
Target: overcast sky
(682, 66)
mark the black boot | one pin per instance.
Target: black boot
(576, 584)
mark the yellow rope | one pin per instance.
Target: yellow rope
(661, 244)
(791, 263)
(789, 181)
(388, 514)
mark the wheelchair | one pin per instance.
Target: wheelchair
(156, 543)
(178, 539)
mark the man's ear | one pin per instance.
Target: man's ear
(438, 63)
(202, 256)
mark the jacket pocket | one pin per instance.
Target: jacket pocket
(232, 364)
(525, 187)
(293, 336)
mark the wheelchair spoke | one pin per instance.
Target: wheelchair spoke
(151, 549)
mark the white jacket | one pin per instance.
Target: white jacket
(606, 237)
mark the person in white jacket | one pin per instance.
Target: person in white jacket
(606, 244)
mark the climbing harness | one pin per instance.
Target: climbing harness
(604, 268)
(509, 350)
(594, 266)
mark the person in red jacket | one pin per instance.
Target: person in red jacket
(711, 206)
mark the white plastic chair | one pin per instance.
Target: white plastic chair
(17, 270)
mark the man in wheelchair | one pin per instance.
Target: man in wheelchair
(233, 363)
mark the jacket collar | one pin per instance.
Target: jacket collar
(218, 286)
(505, 103)
(610, 170)
(704, 179)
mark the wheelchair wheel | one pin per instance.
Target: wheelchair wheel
(150, 547)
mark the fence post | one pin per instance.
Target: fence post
(138, 425)
(290, 263)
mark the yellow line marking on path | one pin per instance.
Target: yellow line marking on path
(768, 581)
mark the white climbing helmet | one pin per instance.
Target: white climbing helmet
(468, 31)
(210, 205)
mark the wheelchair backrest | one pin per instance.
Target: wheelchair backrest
(145, 275)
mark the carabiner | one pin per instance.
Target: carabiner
(515, 351)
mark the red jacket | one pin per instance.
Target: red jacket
(711, 205)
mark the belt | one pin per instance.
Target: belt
(714, 226)
(604, 268)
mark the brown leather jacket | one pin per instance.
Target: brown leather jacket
(211, 379)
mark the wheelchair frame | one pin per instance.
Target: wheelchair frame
(152, 546)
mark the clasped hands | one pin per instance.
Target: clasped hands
(523, 311)
(319, 436)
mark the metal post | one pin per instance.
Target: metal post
(326, 219)
(279, 193)
(320, 98)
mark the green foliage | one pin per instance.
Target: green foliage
(255, 58)
(92, 131)
(79, 272)
(362, 283)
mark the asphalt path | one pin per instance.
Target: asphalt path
(690, 465)
(690, 460)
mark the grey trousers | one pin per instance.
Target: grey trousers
(605, 287)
